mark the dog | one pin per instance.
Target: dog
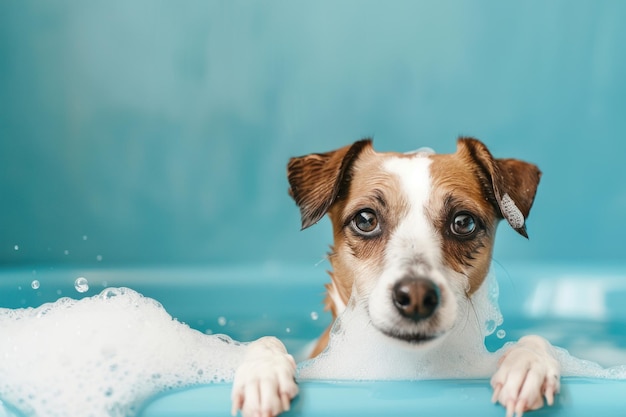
(413, 238)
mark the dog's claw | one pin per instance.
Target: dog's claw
(496, 392)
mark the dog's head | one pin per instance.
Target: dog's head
(413, 233)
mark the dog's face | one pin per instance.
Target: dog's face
(413, 233)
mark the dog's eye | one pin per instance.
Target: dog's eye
(463, 225)
(365, 222)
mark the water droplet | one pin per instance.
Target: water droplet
(501, 334)
(221, 321)
(35, 284)
(490, 326)
(314, 315)
(16, 247)
(81, 284)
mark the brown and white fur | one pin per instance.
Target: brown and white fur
(413, 238)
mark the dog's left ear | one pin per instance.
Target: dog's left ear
(318, 179)
(510, 184)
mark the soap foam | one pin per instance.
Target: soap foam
(357, 351)
(103, 356)
(511, 212)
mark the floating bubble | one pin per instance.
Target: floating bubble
(66, 252)
(16, 247)
(501, 334)
(99, 258)
(35, 284)
(314, 315)
(81, 284)
(221, 321)
(84, 237)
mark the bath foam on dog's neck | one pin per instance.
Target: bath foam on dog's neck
(103, 356)
(359, 351)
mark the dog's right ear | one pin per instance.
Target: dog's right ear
(318, 179)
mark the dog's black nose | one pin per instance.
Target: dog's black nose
(415, 298)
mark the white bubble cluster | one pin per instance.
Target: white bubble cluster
(511, 212)
(103, 355)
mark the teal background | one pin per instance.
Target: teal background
(157, 132)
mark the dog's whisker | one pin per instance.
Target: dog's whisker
(324, 259)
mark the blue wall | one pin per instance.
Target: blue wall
(158, 131)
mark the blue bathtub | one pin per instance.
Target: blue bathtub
(144, 133)
(551, 300)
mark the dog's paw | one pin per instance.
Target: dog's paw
(264, 383)
(527, 373)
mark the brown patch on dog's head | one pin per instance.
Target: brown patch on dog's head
(376, 191)
(318, 179)
(472, 181)
(501, 178)
(319, 184)
(342, 183)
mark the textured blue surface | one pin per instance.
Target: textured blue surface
(161, 130)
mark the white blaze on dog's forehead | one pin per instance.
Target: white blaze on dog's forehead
(511, 213)
(103, 355)
(414, 175)
(415, 230)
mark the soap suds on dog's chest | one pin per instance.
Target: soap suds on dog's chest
(358, 351)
